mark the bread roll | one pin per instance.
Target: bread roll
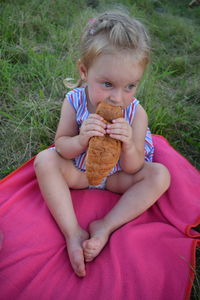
(103, 151)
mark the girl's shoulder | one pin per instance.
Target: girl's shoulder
(130, 110)
(76, 91)
(76, 97)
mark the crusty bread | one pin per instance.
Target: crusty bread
(103, 152)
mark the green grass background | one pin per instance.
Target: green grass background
(39, 48)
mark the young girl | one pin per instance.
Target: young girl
(114, 54)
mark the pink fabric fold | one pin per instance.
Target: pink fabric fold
(151, 257)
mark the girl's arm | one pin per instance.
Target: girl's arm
(69, 142)
(133, 139)
(132, 158)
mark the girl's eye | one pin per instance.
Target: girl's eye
(107, 84)
(130, 86)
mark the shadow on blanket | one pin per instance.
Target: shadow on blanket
(152, 257)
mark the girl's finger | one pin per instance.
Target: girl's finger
(96, 127)
(118, 131)
(121, 138)
(95, 121)
(95, 116)
(95, 133)
(119, 120)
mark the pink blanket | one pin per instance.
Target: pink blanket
(150, 258)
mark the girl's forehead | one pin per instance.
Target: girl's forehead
(117, 65)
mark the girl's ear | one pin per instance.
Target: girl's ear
(82, 70)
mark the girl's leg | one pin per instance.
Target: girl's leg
(55, 175)
(140, 191)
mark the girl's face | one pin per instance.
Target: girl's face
(112, 78)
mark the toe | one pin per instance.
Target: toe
(80, 270)
(89, 258)
(89, 245)
(77, 261)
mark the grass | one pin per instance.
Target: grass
(39, 48)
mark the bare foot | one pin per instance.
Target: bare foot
(98, 238)
(75, 251)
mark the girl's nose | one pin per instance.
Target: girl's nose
(116, 97)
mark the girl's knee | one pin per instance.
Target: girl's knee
(160, 175)
(45, 160)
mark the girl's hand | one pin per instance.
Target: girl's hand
(92, 126)
(122, 131)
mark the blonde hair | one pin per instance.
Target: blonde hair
(110, 32)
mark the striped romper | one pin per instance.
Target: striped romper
(77, 98)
